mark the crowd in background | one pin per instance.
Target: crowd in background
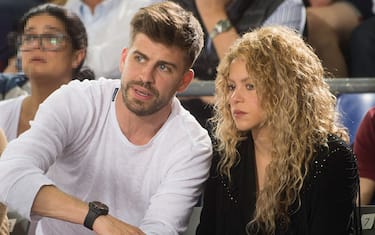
(341, 33)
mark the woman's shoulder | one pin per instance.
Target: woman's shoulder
(334, 159)
(336, 149)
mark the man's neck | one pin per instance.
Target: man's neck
(139, 130)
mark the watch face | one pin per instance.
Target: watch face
(101, 208)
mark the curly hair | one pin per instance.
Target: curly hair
(299, 108)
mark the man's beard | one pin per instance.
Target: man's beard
(139, 107)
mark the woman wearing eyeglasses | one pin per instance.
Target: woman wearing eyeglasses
(52, 45)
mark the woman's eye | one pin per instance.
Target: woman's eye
(250, 86)
(231, 87)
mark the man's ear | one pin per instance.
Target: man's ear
(123, 57)
(78, 57)
(187, 78)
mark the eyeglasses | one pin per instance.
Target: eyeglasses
(46, 42)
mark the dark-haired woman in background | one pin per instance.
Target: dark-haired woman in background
(52, 43)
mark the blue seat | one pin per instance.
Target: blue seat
(353, 107)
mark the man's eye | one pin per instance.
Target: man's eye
(164, 67)
(139, 58)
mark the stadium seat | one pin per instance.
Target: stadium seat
(353, 107)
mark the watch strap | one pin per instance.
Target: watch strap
(96, 209)
(90, 219)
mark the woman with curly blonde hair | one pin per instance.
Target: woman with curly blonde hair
(282, 163)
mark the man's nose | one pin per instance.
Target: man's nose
(147, 74)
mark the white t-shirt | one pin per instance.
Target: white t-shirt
(10, 111)
(153, 186)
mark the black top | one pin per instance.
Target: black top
(327, 198)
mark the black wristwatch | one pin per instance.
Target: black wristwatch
(96, 209)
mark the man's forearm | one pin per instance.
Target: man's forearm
(52, 202)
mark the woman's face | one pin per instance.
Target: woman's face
(46, 49)
(244, 103)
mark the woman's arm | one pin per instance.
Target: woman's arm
(211, 12)
(335, 189)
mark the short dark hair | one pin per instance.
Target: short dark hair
(72, 23)
(168, 23)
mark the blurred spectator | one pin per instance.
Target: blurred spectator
(53, 46)
(362, 50)
(364, 148)
(330, 24)
(107, 23)
(13, 85)
(10, 13)
(230, 19)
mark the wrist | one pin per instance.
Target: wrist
(221, 26)
(96, 209)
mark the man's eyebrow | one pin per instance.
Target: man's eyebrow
(140, 53)
(158, 62)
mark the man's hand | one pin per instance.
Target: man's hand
(107, 224)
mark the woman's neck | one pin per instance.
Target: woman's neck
(262, 149)
(262, 140)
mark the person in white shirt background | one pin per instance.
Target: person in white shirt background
(107, 23)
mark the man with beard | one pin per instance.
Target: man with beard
(111, 156)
